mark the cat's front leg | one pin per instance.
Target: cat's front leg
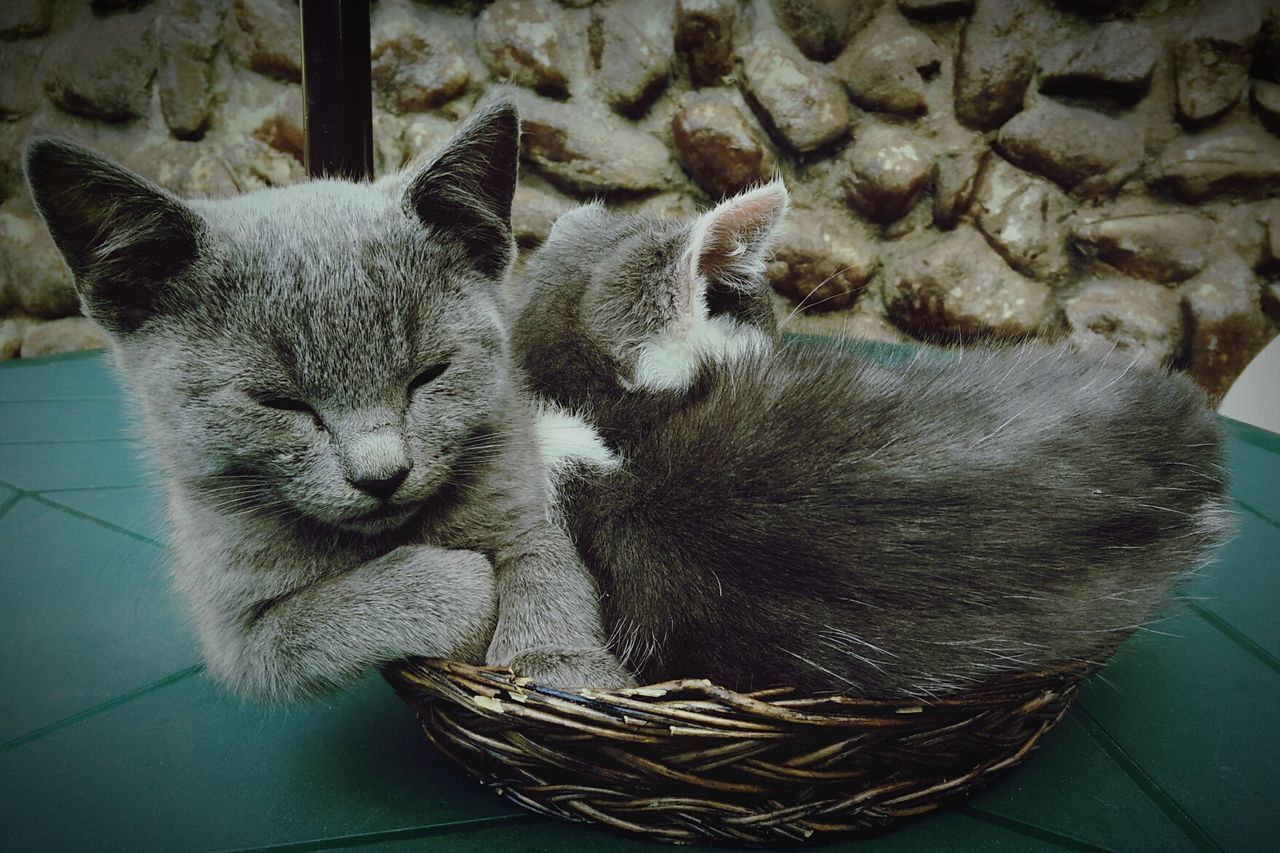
(549, 624)
(415, 601)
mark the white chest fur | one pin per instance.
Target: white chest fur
(669, 361)
(566, 440)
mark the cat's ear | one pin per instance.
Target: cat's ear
(466, 189)
(728, 244)
(122, 236)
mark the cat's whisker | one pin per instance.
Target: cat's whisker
(801, 305)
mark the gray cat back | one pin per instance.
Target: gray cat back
(790, 514)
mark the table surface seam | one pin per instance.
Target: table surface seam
(1154, 792)
(1260, 514)
(1234, 634)
(101, 707)
(93, 519)
(20, 442)
(378, 836)
(11, 501)
(110, 398)
(1030, 830)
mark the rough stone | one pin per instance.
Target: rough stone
(960, 288)
(12, 331)
(1212, 62)
(12, 138)
(901, 63)
(934, 10)
(666, 205)
(116, 5)
(265, 36)
(276, 168)
(822, 261)
(1236, 159)
(1225, 325)
(19, 94)
(70, 334)
(955, 182)
(1111, 62)
(24, 18)
(187, 34)
(886, 170)
(210, 177)
(1271, 301)
(6, 292)
(39, 281)
(716, 145)
(1023, 218)
(630, 69)
(1265, 98)
(884, 66)
(103, 69)
(1266, 53)
(1073, 146)
(389, 153)
(1132, 317)
(519, 40)
(1101, 7)
(996, 61)
(795, 99)
(534, 211)
(282, 129)
(1239, 228)
(161, 159)
(582, 151)
(416, 70)
(821, 27)
(425, 133)
(1271, 249)
(864, 322)
(704, 38)
(1160, 247)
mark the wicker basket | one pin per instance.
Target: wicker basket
(688, 761)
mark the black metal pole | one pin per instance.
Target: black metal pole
(337, 98)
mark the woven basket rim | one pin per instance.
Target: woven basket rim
(710, 709)
(686, 760)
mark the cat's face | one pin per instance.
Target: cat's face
(345, 361)
(662, 295)
(332, 350)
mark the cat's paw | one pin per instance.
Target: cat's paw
(571, 669)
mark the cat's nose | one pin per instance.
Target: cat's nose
(381, 488)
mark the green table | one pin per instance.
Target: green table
(112, 737)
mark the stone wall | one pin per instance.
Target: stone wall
(962, 169)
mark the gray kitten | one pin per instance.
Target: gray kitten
(324, 380)
(761, 514)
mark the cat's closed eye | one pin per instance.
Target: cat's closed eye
(288, 404)
(428, 376)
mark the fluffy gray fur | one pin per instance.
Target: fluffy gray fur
(809, 517)
(324, 380)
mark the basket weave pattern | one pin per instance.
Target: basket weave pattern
(688, 761)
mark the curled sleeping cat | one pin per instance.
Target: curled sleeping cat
(759, 514)
(324, 381)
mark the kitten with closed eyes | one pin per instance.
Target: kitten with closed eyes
(760, 514)
(324, 382)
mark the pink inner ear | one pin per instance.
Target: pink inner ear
(718, 241)
(736, 227)
(727, 242)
